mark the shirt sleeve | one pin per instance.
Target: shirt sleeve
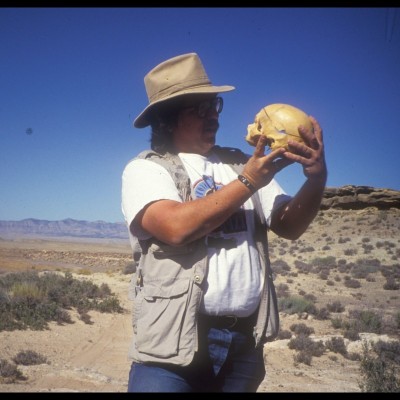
(272, 197)
(143, 182)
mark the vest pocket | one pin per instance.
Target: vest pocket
(158, 317)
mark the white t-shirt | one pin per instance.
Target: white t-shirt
(234, 281)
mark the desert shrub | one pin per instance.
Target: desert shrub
(336, 344)
(350, 330)
(302, 357)
(329, 261)
(27, 291)
(353, 356)
(29, 357)
(362, 269)
(351, 333)
(280, 267)
(323, 275)
(397, 319)
(336, 307)
(367, 248)
(85, 317)
(9, 373)
(284, 334)
(366, 321)
(377, 374)
(303, 266)
(350, 252)
(35, 299)
(109, 305)
(306, 344)
(307, 249)
(373, 263)
(388, 351)
(352, 283)
(282, 290)
(322, 314)
(310, 297)
(391, 284)
(391, 271)
(296, 304)
(360, 321)
(302, 329)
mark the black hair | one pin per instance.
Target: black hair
(162, 121)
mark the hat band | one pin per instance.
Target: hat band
(191, 84)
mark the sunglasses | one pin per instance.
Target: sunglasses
(203, 107)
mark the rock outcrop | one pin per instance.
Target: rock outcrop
(352, 197)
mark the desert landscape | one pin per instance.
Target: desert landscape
(344, 265)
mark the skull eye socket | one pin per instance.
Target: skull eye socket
(259, 127)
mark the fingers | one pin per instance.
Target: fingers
(260, 146)
(317, 129)
(312, 138)
(281, 163)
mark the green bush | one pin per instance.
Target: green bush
(366, 321)
(32, 300)
(296, 304)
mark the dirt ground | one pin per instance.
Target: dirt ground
(93, 357)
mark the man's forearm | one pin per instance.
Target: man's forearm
(292, 220)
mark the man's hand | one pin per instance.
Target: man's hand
(310, 154)
(260, 168)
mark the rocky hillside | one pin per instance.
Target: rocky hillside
(346, 198)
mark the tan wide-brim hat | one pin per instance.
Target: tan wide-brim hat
(175, 77)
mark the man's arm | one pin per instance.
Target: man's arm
(291, 220)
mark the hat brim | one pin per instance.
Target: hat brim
(142, 120)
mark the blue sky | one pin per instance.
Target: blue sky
(71, 83)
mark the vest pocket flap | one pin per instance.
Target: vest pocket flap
(154, 290)
(162, 250)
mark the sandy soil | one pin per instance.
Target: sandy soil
(93, 357)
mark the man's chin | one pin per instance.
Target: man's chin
(210, 140)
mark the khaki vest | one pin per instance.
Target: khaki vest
(168, 284)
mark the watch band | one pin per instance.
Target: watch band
(246, 182)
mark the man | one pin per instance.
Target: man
(204, 300)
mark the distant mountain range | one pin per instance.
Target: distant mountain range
(65, 227)
(346, 198)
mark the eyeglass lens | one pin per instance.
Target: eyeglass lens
(216, 104)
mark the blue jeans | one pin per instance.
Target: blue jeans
(227, 361)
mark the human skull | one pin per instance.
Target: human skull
(278, 122)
